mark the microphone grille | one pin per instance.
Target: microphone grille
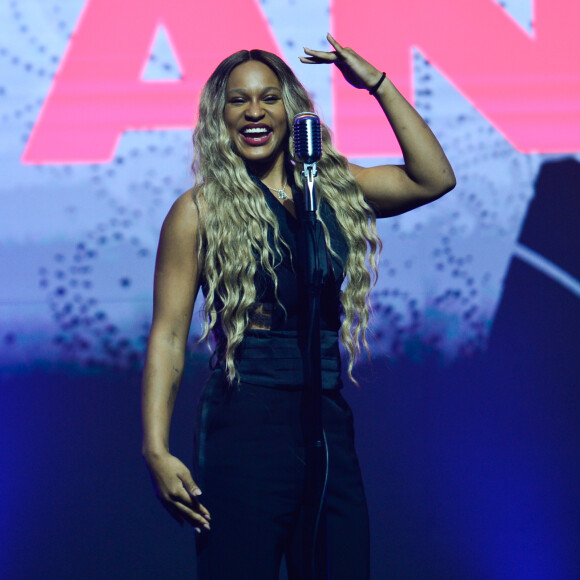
(307, 137)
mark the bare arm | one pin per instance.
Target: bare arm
(176, 285)
(426, 174)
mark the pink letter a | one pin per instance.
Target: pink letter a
(98, 93)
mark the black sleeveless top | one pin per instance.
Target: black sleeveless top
(292, 291)
(274, 357)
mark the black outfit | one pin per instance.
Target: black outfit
(249, 441)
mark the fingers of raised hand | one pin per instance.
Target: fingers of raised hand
(343, 53)
(334, 42)
(353, 67)
(318, 56)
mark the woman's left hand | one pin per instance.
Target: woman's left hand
(355, 69)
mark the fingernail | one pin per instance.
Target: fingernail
(198, 530)
(197, 492)
(206, 526)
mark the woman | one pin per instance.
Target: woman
(236, 235)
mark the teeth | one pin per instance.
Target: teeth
(256, 130)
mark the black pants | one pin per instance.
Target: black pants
(251, 470)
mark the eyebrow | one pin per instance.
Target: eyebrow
(265, 89)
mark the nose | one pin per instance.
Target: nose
(254, 110)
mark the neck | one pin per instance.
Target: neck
(272, 174)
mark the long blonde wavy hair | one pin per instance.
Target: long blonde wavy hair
(234, 215)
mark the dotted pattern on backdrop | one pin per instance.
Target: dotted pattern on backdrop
(87, 237)
(443, 264)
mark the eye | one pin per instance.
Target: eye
(236, 100)
(271, 98)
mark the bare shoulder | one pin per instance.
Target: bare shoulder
(184, 220)
(181, 230)
(184, 212)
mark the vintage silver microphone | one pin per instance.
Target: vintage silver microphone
(308, 150)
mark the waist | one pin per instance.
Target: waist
(276, 358)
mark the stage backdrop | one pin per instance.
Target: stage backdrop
(467, 417)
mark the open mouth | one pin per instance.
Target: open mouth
(256, 135)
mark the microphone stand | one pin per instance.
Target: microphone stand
(316, 271)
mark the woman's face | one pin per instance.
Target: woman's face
(254, 114)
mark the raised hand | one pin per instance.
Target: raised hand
(355, 69)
